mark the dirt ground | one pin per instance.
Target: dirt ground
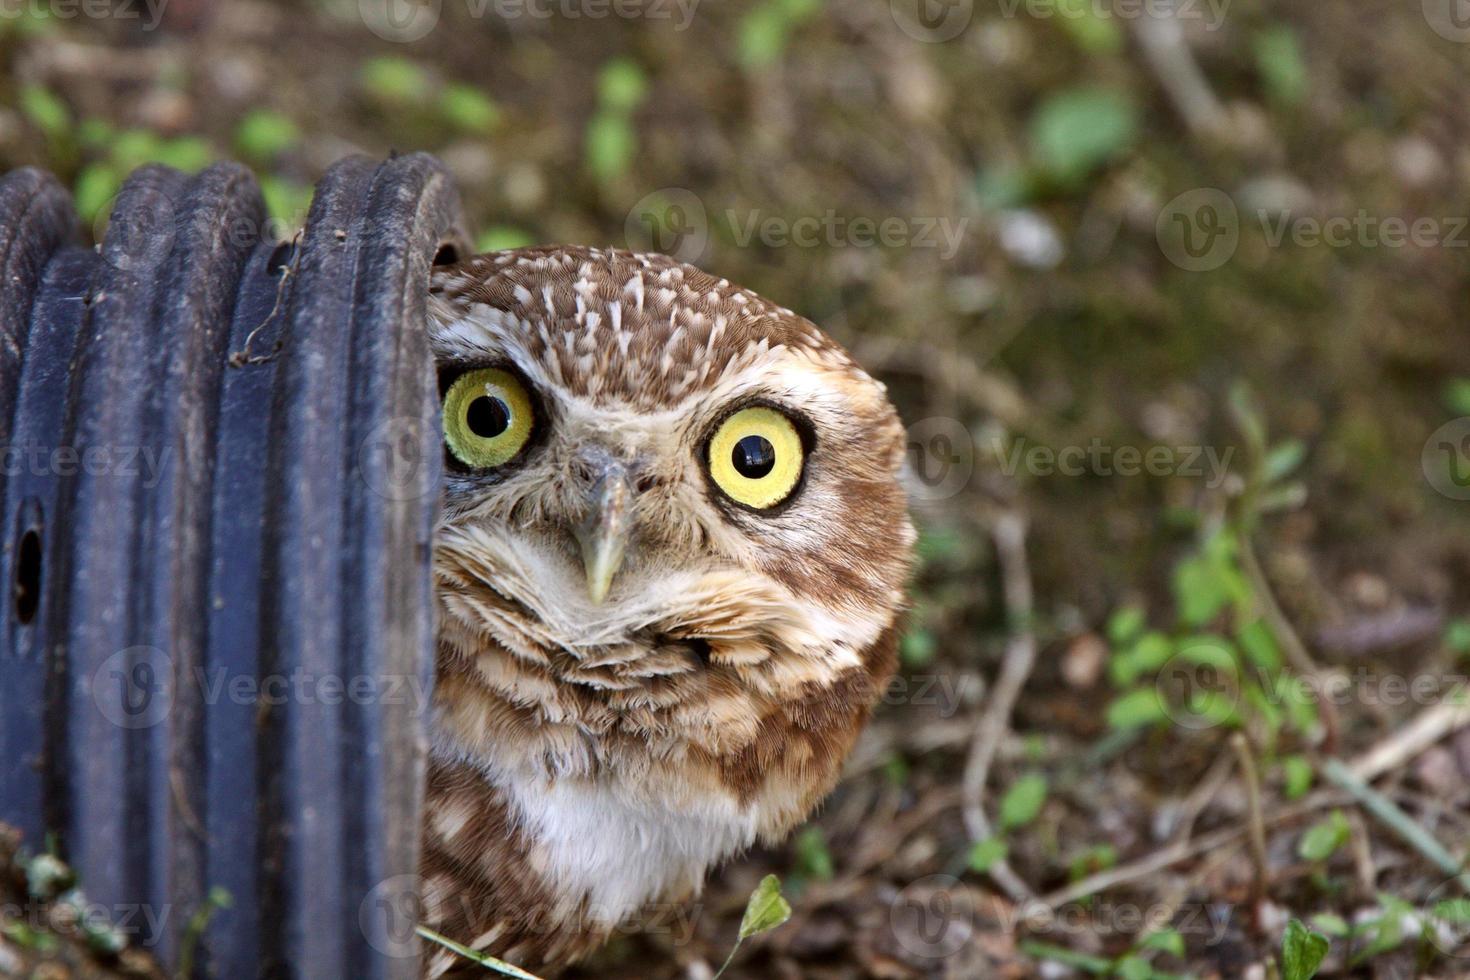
(1176, 311)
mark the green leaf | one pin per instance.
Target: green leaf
(896, 769)
(95, 133)
(763, 33)
(1097, 858)
(96, 185)
(263, 135)
(1124, 625)
(1283, 459)
(1260, 647)
(44, 108)
(918, 647)
(1133, 967)
(1148, 654)
(1199, 591)
(190, 154)
(1093, 33)
(812, 856)
(1003, 186)
(1457, 396)
(498, 238)
(1165, 940)
(1023, 801)
(985, 853)
(1332, 925)
(286, 200)
(1457, 636)
(1323, 838)
(1060, 954)
(469, 109)
(1137, 709)
(1302, 952)
(134, 147)
(1076, 131)
(621, 85)
(611, 145)
(1298, 773)
(1455, 911)
(1281, 66)
(394, 80)
(766, 909)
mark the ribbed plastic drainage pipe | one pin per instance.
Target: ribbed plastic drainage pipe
(219, 484)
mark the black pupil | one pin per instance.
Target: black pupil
(488, 417)
(754, 457)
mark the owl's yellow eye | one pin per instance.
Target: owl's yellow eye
(756, 457)
(487, 417)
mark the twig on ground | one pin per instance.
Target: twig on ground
(1172, 854)
(1167, 53)
(1201, 796)
(1257, 822)
(1412, 739)
(1396, 820)
(1020, 656)
(1291, 641)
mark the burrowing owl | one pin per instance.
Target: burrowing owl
(671, 562)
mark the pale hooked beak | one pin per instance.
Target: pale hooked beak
(604, 534)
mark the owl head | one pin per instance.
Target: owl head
(674, 541)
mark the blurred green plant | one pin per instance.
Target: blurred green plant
(1092, 31)
(1135, 964)
(1079, 130)
(467, 108)
(1279, 62)
(1224, 651)
(766, 30)
(497, 238)
(612, 141)
(394, 81)
(813, 857)
(1324, 838)
(264, 135)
